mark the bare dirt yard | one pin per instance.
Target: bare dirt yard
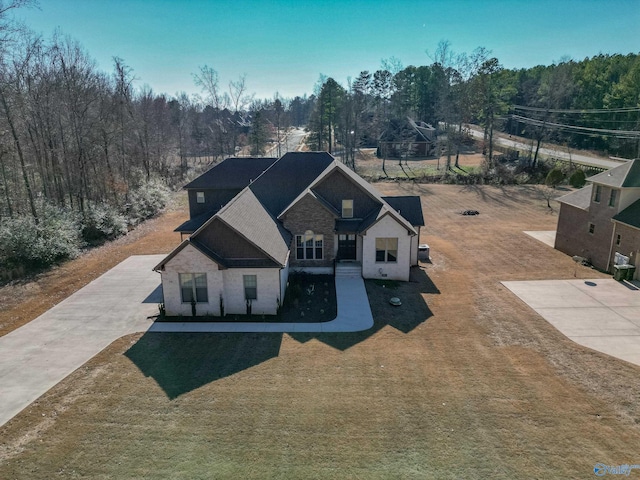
(462, 381)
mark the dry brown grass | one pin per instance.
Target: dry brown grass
(462, 381)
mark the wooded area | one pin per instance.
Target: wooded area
(589, 104)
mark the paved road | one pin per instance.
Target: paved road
(559, 153)
(40, 354)
(291, 142)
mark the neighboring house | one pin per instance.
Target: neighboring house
(305, 212)
(603, 219)
(406, 139)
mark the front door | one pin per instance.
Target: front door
(346, 246)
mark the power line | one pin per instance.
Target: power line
(578, 129)
(593, 110)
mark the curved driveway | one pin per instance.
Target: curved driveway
(40, 354)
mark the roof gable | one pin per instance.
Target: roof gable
(251, 223)
(308, 193)
(579, 198)
(623, 176)
(385, 211)
(187, 243)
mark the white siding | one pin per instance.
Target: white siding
(190, 260)
(415, 243)
(387, 227)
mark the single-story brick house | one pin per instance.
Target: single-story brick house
(601, 221)
(302, 212)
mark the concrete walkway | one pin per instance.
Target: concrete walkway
(40, 354)
(354, 315)
(546, 237)
(601, 314)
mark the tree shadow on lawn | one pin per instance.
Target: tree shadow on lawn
(182, 362)
(405, 318)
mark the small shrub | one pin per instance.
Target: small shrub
(554, 177)
(56, 237)
(147, 200)
(577, 179)
(103, 222)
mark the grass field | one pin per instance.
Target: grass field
(462, 381)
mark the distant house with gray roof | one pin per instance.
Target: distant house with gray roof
(601, 222)
(255, 220)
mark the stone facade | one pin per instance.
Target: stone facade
(309, 214)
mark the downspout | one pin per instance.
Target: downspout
(613, 236)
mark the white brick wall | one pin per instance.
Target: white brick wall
(386, 228)
(268, 291)
(226, 283)
(190, 260)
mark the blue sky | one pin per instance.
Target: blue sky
(284, 45)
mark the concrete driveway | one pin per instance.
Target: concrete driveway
(601, 314)
(37, 356)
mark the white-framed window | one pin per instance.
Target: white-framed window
(592, 228)
(309, 246)
(387, 250)
(347, 208)
(597, 194)
(612, 198)
(250, 287)
(193, 286)
(200, 197)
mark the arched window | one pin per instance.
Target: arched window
(309, 246)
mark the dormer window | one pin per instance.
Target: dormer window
(347, 208)
(200, 197)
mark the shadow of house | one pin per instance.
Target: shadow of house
(182, 362)
(155, 296)
(413, 312)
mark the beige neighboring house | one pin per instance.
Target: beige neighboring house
(601, 222)
(303, 212)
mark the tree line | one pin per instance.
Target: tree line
(590, 104)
